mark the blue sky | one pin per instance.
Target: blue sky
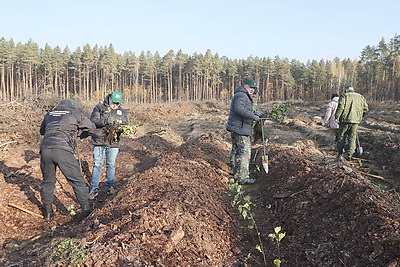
(302, 30)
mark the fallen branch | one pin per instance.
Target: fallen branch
(6, 143)
(23, 209)
(372, 175)
(94, 240)
(362, 159)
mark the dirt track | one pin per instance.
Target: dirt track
(173, 206)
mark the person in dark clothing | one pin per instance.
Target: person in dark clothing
(60, 128)
(240, 124)
(107, 117)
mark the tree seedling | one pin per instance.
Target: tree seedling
(71, 210)
(277, 236)
(244, 204)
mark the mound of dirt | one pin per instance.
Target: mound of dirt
(332, 216)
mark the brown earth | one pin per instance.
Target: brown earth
(173, 205)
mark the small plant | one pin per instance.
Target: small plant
(68, 253)
(128, 129)
(71, 210)
(114, 130)
(256, 169)
(277, 236)
(244, 204)
(278, 110)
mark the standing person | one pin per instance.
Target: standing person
(351, 109)
(107, 117)
(60, 128)
(330, 121)
(240, 124)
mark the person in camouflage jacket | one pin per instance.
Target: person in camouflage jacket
(351, 110)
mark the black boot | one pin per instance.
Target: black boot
(86, 210)
(48, 212)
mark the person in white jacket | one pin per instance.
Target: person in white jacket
(330, 121)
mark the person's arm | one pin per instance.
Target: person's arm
(340, 108)
(97, 119)
(124, 117)
(43, 127)
(328, 114)
(240, 107)
(86, 126)
(365, 110)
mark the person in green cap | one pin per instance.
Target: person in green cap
(240, 124)
(351, 109)
(60, 127)
(107, 116)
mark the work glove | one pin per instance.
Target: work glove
(110, 120)
(258, 113)
(83, 135)
(257, 118)
(323, 124)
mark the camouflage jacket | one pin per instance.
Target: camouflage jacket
(352, 107)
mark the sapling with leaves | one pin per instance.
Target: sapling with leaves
(277, 236)
(115, 129)
(244, 204)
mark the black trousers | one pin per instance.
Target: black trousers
(69, 166)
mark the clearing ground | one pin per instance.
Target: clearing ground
(173, 205)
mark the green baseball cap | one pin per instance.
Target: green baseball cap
(116, 97)
(73, 102)
(251, 83)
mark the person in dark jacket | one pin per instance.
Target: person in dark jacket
(107, 117)
(351, 110)
(60, 128)
(240, 124)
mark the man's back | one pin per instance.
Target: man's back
(351, 108)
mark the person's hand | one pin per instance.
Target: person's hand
(323, 124)
(83, 135)
(118, 123)
(110, 120)
(257, 118)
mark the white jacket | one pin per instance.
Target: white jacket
(329, 119)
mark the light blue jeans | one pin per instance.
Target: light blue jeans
(99, 152)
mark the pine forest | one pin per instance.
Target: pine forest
(28, 71)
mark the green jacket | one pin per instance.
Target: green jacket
(352, 107)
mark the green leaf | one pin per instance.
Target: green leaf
(272, 236)
(281, 235)
(277, 262)
(247, 198)
(244, 213)
(247, 206)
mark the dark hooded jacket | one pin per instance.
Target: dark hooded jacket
(99, 117)
(61, 126)
(241, 113)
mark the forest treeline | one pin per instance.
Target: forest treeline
(88, 73)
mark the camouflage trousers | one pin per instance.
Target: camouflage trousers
(240, 156)
(347, 133)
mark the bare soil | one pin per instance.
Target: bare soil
(173, 202)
